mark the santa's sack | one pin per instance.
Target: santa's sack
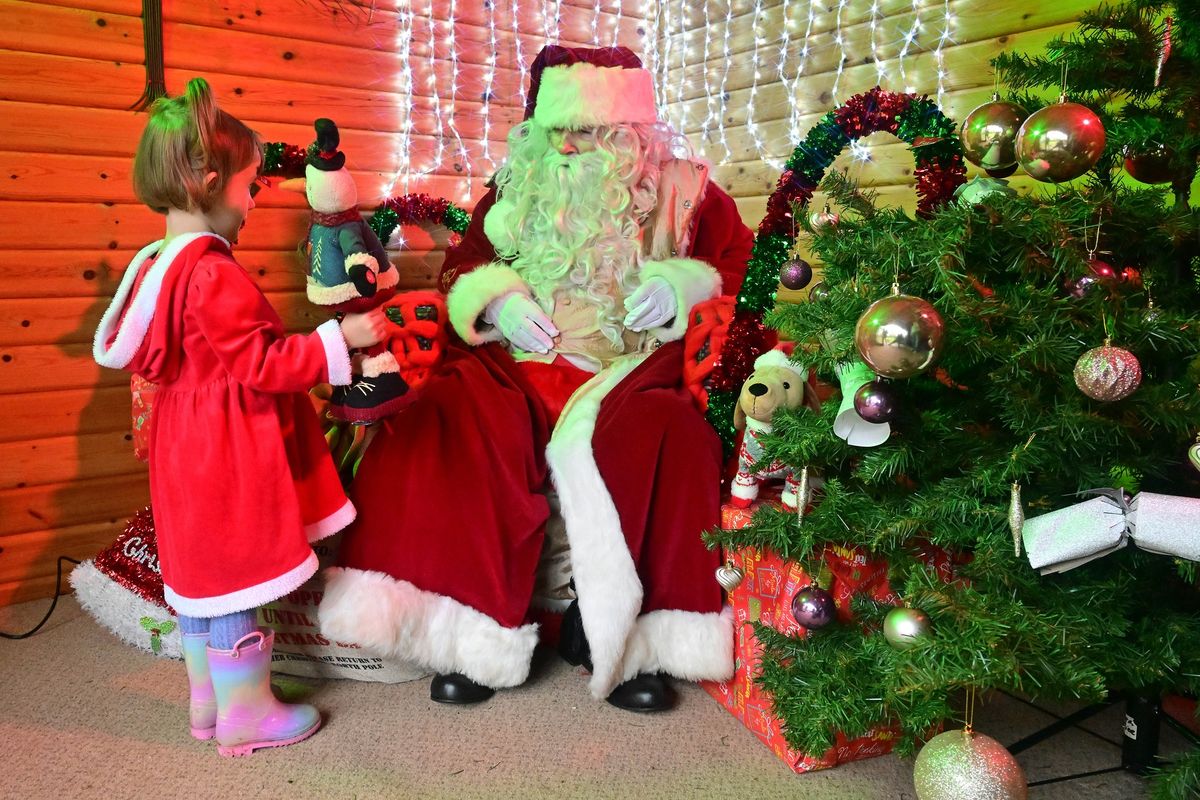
(122, 589)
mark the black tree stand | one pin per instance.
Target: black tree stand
(1139, 742)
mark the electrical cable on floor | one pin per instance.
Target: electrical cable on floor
(53, 603)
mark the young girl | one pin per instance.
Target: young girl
(240, 475)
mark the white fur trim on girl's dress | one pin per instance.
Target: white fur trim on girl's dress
(586, 96)
(684, 644)
(332, 523)
(137, 320)
(470, 295)
(337, 354)
(606, 579)
(393, 618)
(693, 282)
(242, 599)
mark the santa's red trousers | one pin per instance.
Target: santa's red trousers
(451, 492)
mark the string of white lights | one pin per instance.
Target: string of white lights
(840, 41)
(939, 52)
(880, 67)
(403, 172)
(794, 106)
(910, 38)
(662, 74)
(681, 123)
(431, 81)
(650, 57)
(751, 126)
(709, 68)
(489, 77)
(516, 34)
(727, 60)
(556, 31)
(463, 154)
(617, 25)
(596, 23)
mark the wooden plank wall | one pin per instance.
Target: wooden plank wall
(981, 29)
(69, 223)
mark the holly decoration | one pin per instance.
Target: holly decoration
(157, 629)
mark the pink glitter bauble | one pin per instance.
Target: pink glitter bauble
(1108, 373)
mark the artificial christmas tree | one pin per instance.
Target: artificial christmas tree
(989, 426)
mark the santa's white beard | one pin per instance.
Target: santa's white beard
(573, 230)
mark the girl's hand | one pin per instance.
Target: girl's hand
(364, 330)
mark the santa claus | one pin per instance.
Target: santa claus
(571, 292)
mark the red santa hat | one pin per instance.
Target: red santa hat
(579, 87)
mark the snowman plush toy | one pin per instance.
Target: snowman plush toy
(348, 272)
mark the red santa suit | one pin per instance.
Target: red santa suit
(241, 479)
(440, 567)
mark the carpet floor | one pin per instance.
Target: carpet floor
(84, 716)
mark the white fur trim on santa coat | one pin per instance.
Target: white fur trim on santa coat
(693, 282)
(354, 259)
(586, 96)
(375, 366)
(393, 618)
(472, 292)
(332, 523)
(141, 311)
(243, 599)
(606, 579)
(684, 644)
(337, 354)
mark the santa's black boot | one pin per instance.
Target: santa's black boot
(644, 693)
(459, 690)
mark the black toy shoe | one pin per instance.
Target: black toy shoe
(371, 399)
(364, 279)
(459, 690)
(644, 693)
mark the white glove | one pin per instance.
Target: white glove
(522, 322)
(651, 306)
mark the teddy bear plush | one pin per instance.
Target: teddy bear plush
(777, 382)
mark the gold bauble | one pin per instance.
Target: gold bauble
(1060, 142)
(899, 336)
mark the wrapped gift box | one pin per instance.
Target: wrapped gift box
(765, 595)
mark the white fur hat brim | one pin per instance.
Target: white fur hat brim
(586, 96)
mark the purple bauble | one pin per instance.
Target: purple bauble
(876, 401)
(795, 274)
(813, 607)
(1082, 285)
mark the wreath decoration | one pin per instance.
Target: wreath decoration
(912, 118)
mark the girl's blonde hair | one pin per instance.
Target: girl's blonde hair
(186, 138)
